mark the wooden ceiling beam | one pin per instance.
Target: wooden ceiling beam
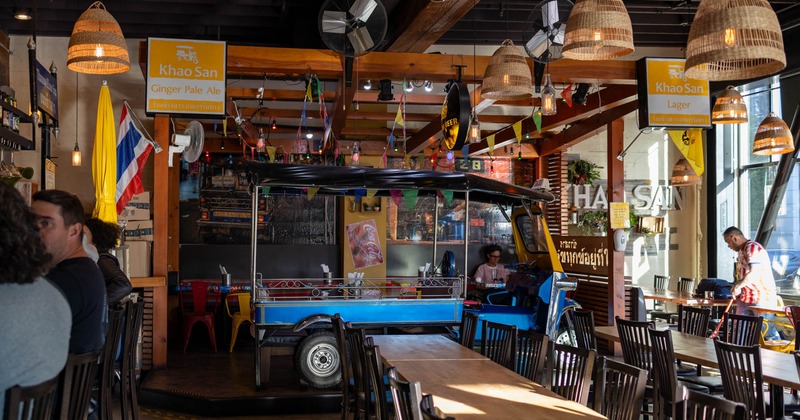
(583, 130)
(270, 95)
(422, 22)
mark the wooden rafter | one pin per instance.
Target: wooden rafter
(422, 22)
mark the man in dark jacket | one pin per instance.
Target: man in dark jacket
(104, 236)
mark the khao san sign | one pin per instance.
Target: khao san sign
(667, 98)
(186, 77)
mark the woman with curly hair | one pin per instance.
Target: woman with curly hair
(36, 318)
(104, 236)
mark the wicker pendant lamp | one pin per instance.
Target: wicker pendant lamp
(734, 40)
(598, 30)
(97, 45)
(729, 108)
(507, 77)
(773, 137)
(683, 174)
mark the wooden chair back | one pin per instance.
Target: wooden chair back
(75, 385)
(406, 397)
(344, 364)
(793, 314)
(569, 372)
(134, 316)
(469, 326)
(686, 285)
(743, 330)
(701, 406)
(35, 402)
(354, 344)
(694, 320)
(114, 337)
(531, 353)
(619, 390)
(375, 368)
(635, 342)
(665, 374)
(584, 329)
(498, 343)
(742, 376)
(660, 282)
(429, 410)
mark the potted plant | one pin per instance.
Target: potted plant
(594, 221)
(582, 172)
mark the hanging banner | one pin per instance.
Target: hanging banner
(46, 91)
(667, 98)
(186, 77)
(455, 116)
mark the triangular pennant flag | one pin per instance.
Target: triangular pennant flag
(383, 159)
(399, 117)
(690, 143)
(311, 192)
(537, 119)
(396, 195)
(421, 160)
(391, 139)
(517, 126)
(490, 142)
(308, 91)
(359, 193)
(447, 195)
(410, 197)
(567, 95)
(371, 193)
(336, 153)
(465, 151)
(266, 190)
(407, 160)
(271, 153)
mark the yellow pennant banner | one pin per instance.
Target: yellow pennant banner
(490, 142)
(407, 159)
(517, 126)
(271, 153)
(312, 191)
(399, 118)
(690, 143)
(371, 193)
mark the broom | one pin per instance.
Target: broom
(715, 334)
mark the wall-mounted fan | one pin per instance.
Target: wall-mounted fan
(544, 30)
(352, 27)
(189, 144)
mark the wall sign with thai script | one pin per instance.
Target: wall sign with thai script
(46, 91)
(667, 98)
(583, 254)
(186, 77)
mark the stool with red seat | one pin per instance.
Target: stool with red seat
(198, 304)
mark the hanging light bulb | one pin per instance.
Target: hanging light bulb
(354, 157)
(549, 106)
(98, 51)
(274, 125)
(729, 37)
(309, 134)
(76, 155)
(308, 151)
(491, 168)
(368, 85)
(395, 147)
(428, 86)
(450, 156)
(474, 128)
(260, 142)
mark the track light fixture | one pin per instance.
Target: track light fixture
(386, 91)
(428, 86)
(367, 85)
(23, 13)
(408, 86)
(581, 93)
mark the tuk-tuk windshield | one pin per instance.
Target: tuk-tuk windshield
(532, 231)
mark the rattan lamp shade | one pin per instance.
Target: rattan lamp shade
(598, 30)
(734, 40)
(729, 108)
(683, 174)
(507, 76)
(773, 137)
(97, 45)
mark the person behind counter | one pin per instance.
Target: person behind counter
(104, 236)
(491, 271)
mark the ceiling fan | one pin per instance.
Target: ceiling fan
(544, 30)
(352, 28)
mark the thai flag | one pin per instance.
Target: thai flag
(133, 149)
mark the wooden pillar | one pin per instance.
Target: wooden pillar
(161, 209)
(616, 193)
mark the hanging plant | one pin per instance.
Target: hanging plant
(596, 221)
(582, 172)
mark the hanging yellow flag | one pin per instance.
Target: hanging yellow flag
(271, 153)
(690, 143)
(490, 142)
(312, 191)
(371, 193)
(399, 118)
(308, 91)
(407, 160)
(517, 126)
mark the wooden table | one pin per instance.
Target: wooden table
(397, 348)
(778, 368)
(681, 298)
(467, 385)
(777, 310)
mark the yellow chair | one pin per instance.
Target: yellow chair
(238, 317)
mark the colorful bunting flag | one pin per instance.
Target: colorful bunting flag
(537, 119)
(447, 195)
(311, 192)
(407, 160)
(517, 126)
(383, 159)
(271, 153)
(399, 117)
(567, 95)
(490, 142)
(371, 193)
(410, 197)
(690, 143)
(396, 195)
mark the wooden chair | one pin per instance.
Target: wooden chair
(469, 326)
(686, 285)
(406, 397)
(569, 372)
(429, 411)
(129, 388)
(660, 283)
(35, 402)
(531, 353)
(635, 342)
(584, 329)
(665, 375)
(793, 314)
(742, 378)
(498, 342)
(743, 330)
(375, 368)
(114, 338)
(694, 320)
(75, 385)
(354, 351)
(619, 390)
(701, 406)
(348, 395)
(195, 304)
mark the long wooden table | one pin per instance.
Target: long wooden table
(779, 369)
(681, 298)
(467, 385)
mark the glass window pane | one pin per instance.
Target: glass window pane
(784, 243)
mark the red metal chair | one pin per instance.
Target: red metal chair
(198, 304)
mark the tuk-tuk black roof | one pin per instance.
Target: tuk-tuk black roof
(344, 180)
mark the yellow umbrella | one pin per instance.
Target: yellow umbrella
(104, 159)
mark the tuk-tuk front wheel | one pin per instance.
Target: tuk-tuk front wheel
(318, 360)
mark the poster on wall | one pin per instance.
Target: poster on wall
(667, 98)
(186, 77)
(365, 244)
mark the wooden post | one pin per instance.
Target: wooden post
(161, 207)
(616, 193)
